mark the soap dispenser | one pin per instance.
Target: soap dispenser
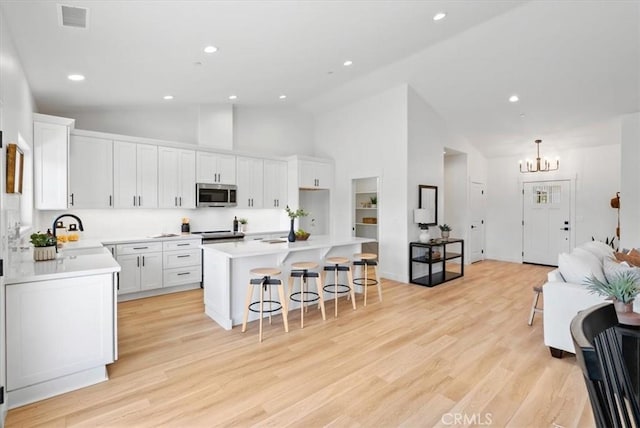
(235, 224)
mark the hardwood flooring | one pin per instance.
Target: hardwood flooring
(459, 354)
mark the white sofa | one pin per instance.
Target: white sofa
(563, 300)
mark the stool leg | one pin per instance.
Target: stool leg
(246, 308)
(270, 304)
(533, 307)
(335, 292)
(320, 298)
(284, 307)
(352, 291)
(375, 269)
(365, 267)
(261, 303)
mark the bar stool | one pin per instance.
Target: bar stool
(265, 282)
(301, 270)
(365, 260)
(337, 264)
(537, 290)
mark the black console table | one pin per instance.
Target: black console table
(436, 253)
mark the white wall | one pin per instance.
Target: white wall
(456, 209)
(597, 179)
(629, 188)
(16, 122)
(368, 138)
(281, 131)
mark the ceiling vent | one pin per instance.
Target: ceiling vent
(71, 16)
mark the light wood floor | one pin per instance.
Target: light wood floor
(418, 359)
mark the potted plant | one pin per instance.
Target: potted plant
(293, 215)
(623, 287)
(243, 224)
(44, 246)
(374, 201)
(445, 229)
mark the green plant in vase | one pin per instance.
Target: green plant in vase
(44, 246)
(292, 216)
(622, 287)
(445, 230)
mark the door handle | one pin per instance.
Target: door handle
(564, 228)
(473, 227)
(72, 199)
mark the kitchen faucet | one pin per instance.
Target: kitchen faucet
(67, 215)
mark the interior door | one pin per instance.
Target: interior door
(477, 210)
(546, 221)
(3, 228)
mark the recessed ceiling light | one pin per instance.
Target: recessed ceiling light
(514, 99)
(168, 97)
(438, 16)
(283, 96)
(347, 63)
(75, 77)
(233, 97)
(210, 49)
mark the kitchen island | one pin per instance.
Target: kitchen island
(226, 269)
(61, 322)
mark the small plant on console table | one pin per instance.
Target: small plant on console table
(445, 230)
(294, 215)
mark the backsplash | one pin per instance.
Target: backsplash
(124, 223)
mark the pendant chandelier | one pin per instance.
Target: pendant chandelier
(540, 164)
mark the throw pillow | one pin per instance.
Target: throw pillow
(599, 249)
(632, 260)
(575, 267)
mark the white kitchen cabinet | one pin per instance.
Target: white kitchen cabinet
(135, 175)
(182, 262)
(215, 168)
(141, 265)
(90, 172)
(275, 184)
(250, 182)
(314, 175)
(50, 150)
(56, 328)
(176, 178)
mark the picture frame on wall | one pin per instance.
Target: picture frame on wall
(15, 168)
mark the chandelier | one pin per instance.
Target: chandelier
(540, 164)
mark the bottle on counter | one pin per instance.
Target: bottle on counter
(73, 234)
(235, 224)
(185, 228)
(61, 233)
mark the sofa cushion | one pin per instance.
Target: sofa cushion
(599, 249)
(579, 265)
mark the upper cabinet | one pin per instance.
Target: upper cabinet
(314, 175)
(275, 184)
(90, 172)
(176, 178)
(250, 178)
(215, 168)
(135, 175)
(50, 146)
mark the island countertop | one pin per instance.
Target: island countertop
(89, 261)
(238, 249)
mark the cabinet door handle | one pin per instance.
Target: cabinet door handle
(72, 199)
(138, 261)
(134, 200)
(183, 256)
(140, 248)
(139, 201)
(180, 199)
(175, 201)
(110, 200)
(142, 261)
(184, 273)
(182, 245)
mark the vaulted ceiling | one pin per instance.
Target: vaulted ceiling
(574, 65)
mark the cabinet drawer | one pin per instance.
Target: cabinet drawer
(182, 245)
(140, 247)
(179, 276)
(176, 259)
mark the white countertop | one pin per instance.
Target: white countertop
(78, 262)
(154, 238)
(256, 248)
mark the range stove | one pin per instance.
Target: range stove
(215, 236)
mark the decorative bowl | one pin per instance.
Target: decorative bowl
(303, 237)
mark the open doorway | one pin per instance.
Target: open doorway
(366, 209)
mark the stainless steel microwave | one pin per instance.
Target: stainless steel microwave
(216, 195)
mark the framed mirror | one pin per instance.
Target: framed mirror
(428, 200)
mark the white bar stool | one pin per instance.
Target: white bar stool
(265, 282)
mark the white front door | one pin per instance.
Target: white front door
(546, 211)
(477, 210)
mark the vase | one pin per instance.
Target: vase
(424, 236)
(292, 233)
(625, 313)
(445, 234)
(44, 253)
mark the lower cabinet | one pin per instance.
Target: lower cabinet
(150, 266)
(141, 266)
